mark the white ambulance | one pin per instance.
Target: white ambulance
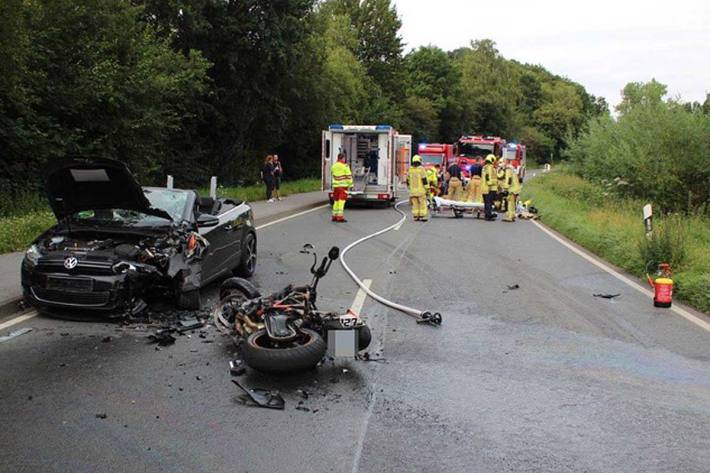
(378, 157)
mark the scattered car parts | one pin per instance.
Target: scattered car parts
(262, 397)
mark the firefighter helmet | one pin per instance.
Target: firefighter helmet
(416, 159)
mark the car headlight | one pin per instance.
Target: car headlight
(32, 255)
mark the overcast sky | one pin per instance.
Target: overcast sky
(602, 44)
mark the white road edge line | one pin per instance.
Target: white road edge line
(17, 320)
(24, 317)
(678, 310)
(360, 297)
(292, 216)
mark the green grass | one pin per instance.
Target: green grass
(24, 218)
(613, 229)
(257, 192)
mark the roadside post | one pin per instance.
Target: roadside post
(169, 185)
(213, 187)
(648, 220)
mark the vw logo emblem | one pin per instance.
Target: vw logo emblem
(71, 262)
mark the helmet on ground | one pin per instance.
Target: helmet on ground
(416, 159)
(490, 159)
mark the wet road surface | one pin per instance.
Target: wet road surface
(541, 378)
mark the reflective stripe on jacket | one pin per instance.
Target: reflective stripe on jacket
(342, 175)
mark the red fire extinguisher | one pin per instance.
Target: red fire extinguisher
(662, 285)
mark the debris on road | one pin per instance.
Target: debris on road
(263, 397)
(513, 287)
(107, 339)
(367, 357)
(607, 296)
(163, 337)
(189, 324)
(101, 415)
(15, 334)
(237, 368)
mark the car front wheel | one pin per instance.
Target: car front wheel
(247, 265)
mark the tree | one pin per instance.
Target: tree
(96, 81)
(489, 92)
(641, 93)
(561, 114)
(379, 46)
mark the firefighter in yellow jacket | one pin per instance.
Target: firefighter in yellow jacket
(432, 178)
(418, 183)
(342, 180)
(511, 188)
(489, 185)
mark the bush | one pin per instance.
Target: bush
(667, 244)
(657, 152)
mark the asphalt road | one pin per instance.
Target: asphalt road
(541, 378)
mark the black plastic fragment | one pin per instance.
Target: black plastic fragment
(607, 296)
(263, 397)
(514, 287)
(162, 337)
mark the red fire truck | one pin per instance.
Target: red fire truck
(473, 149)
(516, 155)
(435, 153)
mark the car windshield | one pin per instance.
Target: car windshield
(172, 202)
(432, 159)
(474, 150)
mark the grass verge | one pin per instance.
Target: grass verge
(23, 219)
(257, 192)
(613, 229)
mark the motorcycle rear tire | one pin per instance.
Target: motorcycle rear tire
(283, 360)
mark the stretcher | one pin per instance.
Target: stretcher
(441, 207)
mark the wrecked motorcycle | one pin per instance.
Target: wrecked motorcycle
(285, 331)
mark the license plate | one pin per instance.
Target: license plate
(342, 343)
(71, 284)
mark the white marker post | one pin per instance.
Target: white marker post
(213, 187)
(648, 220)
(169, 185)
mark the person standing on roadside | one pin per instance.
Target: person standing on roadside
(278, 172)
(342, 180)
(267, 175)
(418, 184)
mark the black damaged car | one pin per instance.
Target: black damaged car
(117, 242)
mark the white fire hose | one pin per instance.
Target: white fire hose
(424, 317)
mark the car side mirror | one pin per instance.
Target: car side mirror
(334, 253)
(207, 221)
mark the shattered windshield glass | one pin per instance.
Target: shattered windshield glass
(172, 202)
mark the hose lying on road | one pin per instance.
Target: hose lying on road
(421, 316)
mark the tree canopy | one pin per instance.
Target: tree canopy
(201, 87)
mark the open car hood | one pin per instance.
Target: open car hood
(76, 184)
